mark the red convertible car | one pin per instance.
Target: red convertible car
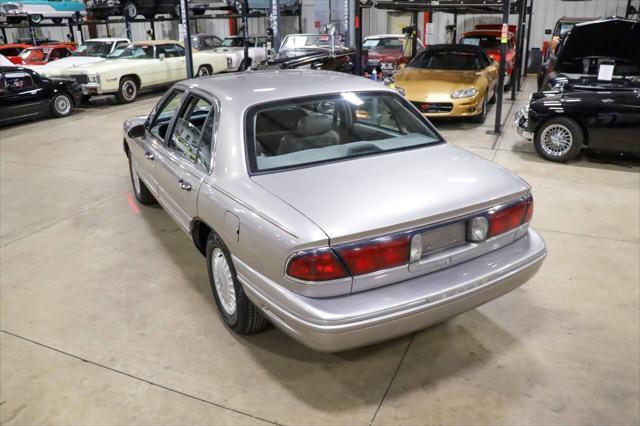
(42, 55)
(488, 38)
(12, 50)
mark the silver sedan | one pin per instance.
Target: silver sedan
(328, 205)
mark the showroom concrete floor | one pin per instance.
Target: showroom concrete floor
(107, 315)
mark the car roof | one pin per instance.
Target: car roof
(155, 42)
(107, 39)
(51, 46)
(566, 19)
(254, 87)
(16, 68)
(386, 36)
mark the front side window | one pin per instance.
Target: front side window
(134, 52)
(35, 55)
(162, 117)
(232, 42)
(98, 49)
(59, 54)
(171, 50)
(18, 81)
(192, 134)
(328, 128)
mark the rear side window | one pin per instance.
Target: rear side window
(192, 134)
(18, 81)
(327, 128)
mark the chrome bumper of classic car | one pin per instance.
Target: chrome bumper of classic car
(91, 89)
(522, 124)
(344, 322)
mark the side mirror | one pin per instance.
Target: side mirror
(161, 56)
(136, 131)
(547, 32)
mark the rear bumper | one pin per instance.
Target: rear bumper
(344, 322)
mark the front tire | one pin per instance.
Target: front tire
(61, 105)
(480, 118)
(35, 19)
(128, 90)
(140, 190)
(236, 310)
(559, 139)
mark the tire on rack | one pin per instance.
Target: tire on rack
(236, 310)
(56, 20)
(559, 139)
(130, 10)
(140, 190)
(480, 118)
(128, 90)
(35, 19)
(203, 71)
(61, 104)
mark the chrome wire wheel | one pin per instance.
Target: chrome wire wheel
(62, 104)
(203, 72)
(223, 281)
(556, 140)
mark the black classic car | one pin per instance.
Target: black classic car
(26, 95)
(593, 99)
(147, 8)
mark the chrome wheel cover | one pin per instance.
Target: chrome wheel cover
(203, 72)
(62, 104)
(223, 281)
(132, 10)
(135, 178)
(556, 140)
(129, 90)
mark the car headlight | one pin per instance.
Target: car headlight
(386, 65)
(526, 109)
(464, 93)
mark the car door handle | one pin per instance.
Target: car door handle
(149, 156)
(184, 185)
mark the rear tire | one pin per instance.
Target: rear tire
(128, 90)
(559, 139)
(61, 105)
(236, 310)
(203, 71)
(140, 190)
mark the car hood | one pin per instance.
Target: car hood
(106, 65)
(612, 38)
(72, 61)
(418, 83)
(385, 193)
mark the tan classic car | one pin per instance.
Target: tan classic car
(143, 65)
(450, 81)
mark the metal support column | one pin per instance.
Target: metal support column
(455, 28)
(528, 49)
(153, 29)
(4, 35)
(245, 31)
(79, 27)
(357, 27)
(184, 15)
(275, 23)
(127, 26)
(71, 33)
(515, 71)
(523, 27)
(503, 54)
(300, 30)
(414, 34)
(32, 32)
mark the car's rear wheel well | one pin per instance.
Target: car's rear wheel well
(200, 232)
(125, 146)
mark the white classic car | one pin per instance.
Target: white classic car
(93, 50)
(142, 65)
(233, 48)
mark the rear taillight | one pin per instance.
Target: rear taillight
(511, 217)
(373, 256)
(316, 266)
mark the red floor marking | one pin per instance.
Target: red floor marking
(132, 202)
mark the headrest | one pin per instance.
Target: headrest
(313, 126)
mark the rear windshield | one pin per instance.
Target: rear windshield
(486, 42)
(333, 127)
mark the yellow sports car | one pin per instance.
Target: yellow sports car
(450, 81)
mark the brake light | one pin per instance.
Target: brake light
(506, 219)
(316, 266)
(529, 214)
(374, 256)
